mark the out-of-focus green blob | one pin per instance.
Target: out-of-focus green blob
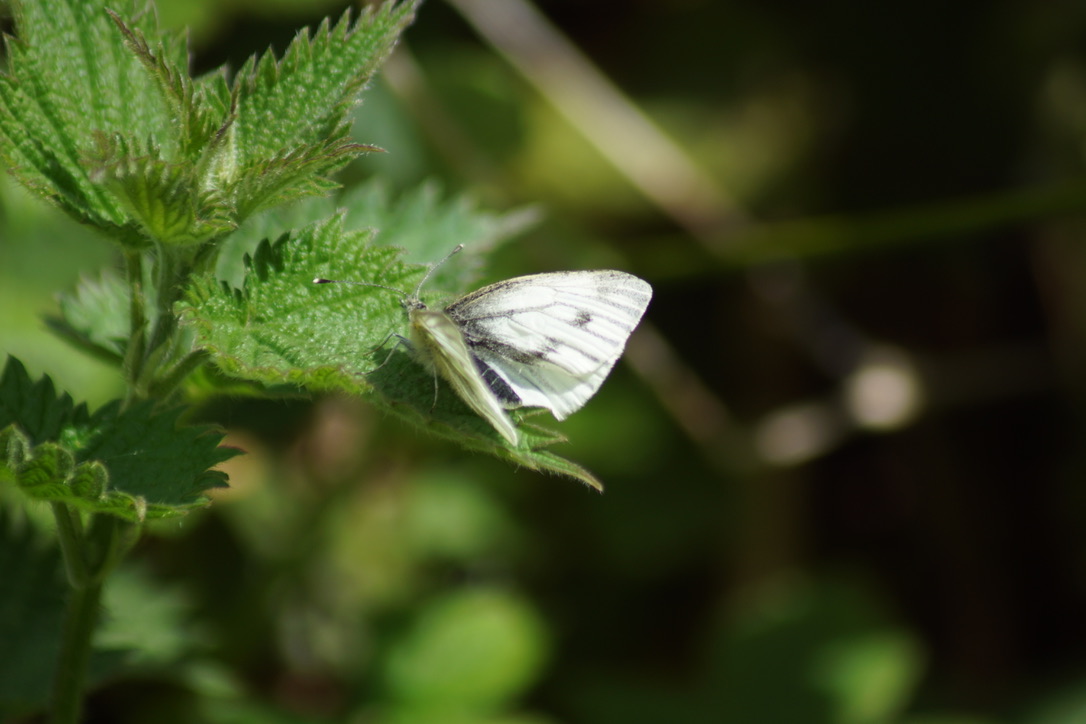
(472, 650)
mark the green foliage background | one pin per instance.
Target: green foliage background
(905, 186)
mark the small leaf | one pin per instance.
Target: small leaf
(89, 481)
(148, 620)
(40, 413)
(14, 446)
(165, 199)
(95, 316)
(297, 173)
(198, 120)
(428, 226)
(291, 128)
(304, 98)
(44, 474)
(50, 474)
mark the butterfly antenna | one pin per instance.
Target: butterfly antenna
(459, 248)
(318, 280)
(402, 293)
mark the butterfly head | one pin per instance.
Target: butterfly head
(412, 303)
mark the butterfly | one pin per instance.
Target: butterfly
(542, 340)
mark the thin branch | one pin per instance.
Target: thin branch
(625, 135)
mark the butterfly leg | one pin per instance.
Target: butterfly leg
(400, 340)
(433, 405)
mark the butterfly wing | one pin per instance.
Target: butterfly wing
(551, 338)
(439, 343)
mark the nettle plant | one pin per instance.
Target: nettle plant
(189, 177)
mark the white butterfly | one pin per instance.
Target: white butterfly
(543, 340)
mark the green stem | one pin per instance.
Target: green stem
(205, 258)
(70, 534)
(108, 539)
(167, 384)
(156, 348)
(92, 551)
(168, 290)
(137, 313)
(75, 650)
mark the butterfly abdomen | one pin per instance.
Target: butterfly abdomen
(425, 348)
(439, 345)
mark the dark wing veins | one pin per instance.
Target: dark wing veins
(497, 385)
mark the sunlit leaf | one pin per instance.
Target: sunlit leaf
(48, 121)
(281, 328)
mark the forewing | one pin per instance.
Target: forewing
(553, 338)
(438, 339)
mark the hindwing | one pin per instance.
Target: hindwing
(552, 338)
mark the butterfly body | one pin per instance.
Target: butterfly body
(440, 346)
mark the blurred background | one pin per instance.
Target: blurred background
(843, 456)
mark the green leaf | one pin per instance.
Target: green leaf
(281, 328)
(170, 202)
(292, 121)
(95, 316)
(134, 464)
(304, 99)
(188, 102)
(428, 226)
(40, 413)
(145, 618)
(100, 116)
(70, 76)
(425, 222)
(296, 173)
(182, 200)
(153, 459)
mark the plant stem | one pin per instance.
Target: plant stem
(108, 539)
(92, 551)
(137, 313)
(70, 534)
(168, 287)
(75, 650)
(169, 383)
